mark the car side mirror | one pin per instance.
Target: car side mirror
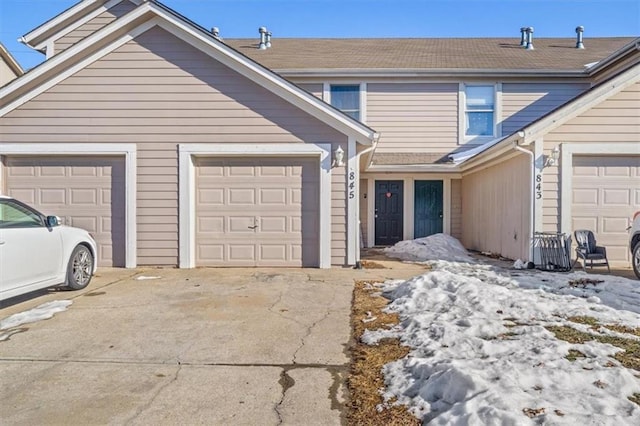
(53, 221)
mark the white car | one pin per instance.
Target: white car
(634, 243)
(37, 252)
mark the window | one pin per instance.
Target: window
(479, 110)
(14, 215)
(347, 99)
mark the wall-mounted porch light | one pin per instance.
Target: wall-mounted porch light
(338, 157)
(552, 158)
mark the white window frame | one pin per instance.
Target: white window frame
(326, 95)
(462, 113)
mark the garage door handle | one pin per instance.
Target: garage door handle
(2, 242)
(252, 227)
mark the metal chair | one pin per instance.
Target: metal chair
(588, 250)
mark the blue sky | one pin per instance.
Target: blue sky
(362, 18)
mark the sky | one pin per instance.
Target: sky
(361, 18)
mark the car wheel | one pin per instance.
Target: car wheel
(635, 260)
(80, 268)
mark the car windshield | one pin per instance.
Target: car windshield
(14, 215)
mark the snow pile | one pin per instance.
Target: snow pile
(482, 355)
(39, 313)
(433, 247)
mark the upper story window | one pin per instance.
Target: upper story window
(347, 99)
(479, 111)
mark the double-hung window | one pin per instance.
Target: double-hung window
(347, 99)
(479, 111)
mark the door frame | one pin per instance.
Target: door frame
(128, 150)
(187, 188)
(408, 205)
(375, 199)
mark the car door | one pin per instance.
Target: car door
(30, 253)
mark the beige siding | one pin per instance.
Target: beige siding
(523, 103)
(456, 208)
(6, 73)
(364, 208)
(414, 117)
(158, 92)
(93, 25)
(314, 88)
(496, 208)
(616, 119)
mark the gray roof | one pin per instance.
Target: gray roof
(552, 54)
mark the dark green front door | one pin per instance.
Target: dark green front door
(427, 208)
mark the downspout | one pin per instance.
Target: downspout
(366, 151)
(532, 213)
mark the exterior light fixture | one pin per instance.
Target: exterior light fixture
(338, 157)
(552, 158)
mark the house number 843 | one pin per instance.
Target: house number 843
(538, 186)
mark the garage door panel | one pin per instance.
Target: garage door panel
(605, 194)
(252, 212)
(86, 192)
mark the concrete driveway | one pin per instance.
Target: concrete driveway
(202, 346)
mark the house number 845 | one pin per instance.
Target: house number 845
(352, 184)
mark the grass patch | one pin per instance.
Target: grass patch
(623, 329)
(574, 354)
(635, 398)
(370, 264)
(629, 357)
(365, 378)
(585, 320)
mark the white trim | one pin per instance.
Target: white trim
(568, 150)
(59, 59)
(363, 102)
(55, 21)
(463, 139)
(353, 213)
(581, 104)
(207, 44)
(452, 169)
(371, 207)
(129, 150)
(408, 215)
(538, 150)
(446, 205)
(326, 92)
(66, 30)
(187, 187)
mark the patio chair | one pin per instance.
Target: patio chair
(588, 250)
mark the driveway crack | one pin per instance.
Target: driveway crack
(286, 382)
(146, 406)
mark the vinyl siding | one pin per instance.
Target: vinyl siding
(315, 89)
(6, 73)
(496, 208)
(158, 92)
(616, 119)
(414, 117)
(93, 25)
(456, 208)
(523, 103)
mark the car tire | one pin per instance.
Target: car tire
(79, 268)
(635, 259)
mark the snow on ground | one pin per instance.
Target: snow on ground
(438, 246)
(481, 353)
(39, 313)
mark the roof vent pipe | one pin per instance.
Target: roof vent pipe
(263, 38)
(268, 39)
(523, 36)
(529, 38)
(579, 37)
(216, 33)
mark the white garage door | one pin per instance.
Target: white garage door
(257, 212)
(606, 193)
(86, 192)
